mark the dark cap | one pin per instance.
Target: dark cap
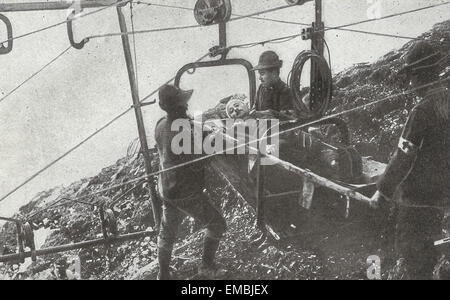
(420, 57)
(268, 60)
(171, 96)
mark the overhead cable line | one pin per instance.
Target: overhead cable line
(186, 26)
(35, 74)
(308, 24)
(249, 45)
(134, 46)
(388, 16)
(72, 149)
(64, 22)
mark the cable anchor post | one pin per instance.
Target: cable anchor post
(108, 220)
(28, 239)
(20, 242)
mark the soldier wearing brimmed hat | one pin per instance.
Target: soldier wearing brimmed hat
(419, 172)
(273, 93)
(181, 189)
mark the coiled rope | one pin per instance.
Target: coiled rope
(312, 105)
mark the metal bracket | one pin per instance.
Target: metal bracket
(76, 45)
(226, 62)
(218, 50)
(142, 104)
(8, 48)
(297, 2)
(309, 32)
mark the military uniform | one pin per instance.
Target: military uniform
(420, 168)
(278, 97)
(182, 190)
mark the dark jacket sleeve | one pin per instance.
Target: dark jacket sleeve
(405, 155)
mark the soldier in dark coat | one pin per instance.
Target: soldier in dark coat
(181, 188)
(273, 93)
(419, 172)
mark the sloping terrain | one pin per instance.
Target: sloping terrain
(327, 246)
(380, 125)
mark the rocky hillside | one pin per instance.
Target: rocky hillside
(381, 124)
(327, 247)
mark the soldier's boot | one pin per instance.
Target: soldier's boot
(208, 269)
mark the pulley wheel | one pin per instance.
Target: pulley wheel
(207, 12)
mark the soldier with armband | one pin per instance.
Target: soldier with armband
(419, 172)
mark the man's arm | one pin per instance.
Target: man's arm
(405, 155)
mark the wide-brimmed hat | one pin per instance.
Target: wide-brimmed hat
(171, 97)
(421, 57)
(268, 60)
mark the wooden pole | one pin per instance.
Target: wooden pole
(156, 207)
(307, 175)
(319, 180)
(260, 197)
(223, 34)
(317, 45)
(80, 245)
(318, 37)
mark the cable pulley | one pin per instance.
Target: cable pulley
(208, 12)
